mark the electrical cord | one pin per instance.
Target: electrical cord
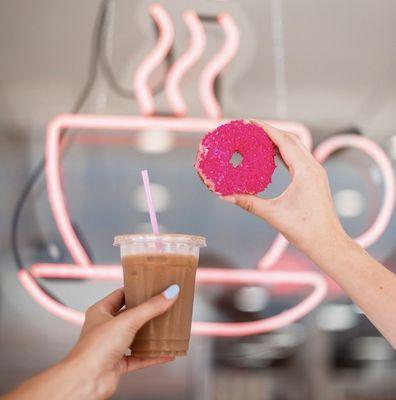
(38, 170)
(98, 58)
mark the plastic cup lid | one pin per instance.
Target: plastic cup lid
(199, 241)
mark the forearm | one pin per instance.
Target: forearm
(370, 285)
(64, 381)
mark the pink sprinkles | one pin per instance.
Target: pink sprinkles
(216, 149)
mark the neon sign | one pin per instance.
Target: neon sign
(83, 267)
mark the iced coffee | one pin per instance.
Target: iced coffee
(150, 264)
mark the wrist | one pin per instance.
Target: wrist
(81, 378)
(64, 381)
(326, 252)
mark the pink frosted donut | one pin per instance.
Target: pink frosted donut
(252, 175)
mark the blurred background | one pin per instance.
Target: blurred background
(327, 64)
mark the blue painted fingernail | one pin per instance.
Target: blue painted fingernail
(171, 292)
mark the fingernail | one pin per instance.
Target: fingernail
(171, 292)
(229, 199)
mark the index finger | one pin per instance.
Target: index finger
(112, 303)
(291, 149)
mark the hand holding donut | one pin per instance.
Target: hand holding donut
(304, 213)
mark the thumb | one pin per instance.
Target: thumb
(132, 320)
(252, 204)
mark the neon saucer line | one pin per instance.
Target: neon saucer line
(48, 303)
(209, 276)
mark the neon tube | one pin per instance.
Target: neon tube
(209, 276)
(56, 195)
(370, 148)
(52, 306)
(217, 64)
(153, 59)
(138, 123)
(107, 122)
(274, 253)
(185, 62)
(71, 271)
(254, 277)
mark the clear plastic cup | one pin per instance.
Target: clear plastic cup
(150, 264)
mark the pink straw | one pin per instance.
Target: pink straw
(150, 204)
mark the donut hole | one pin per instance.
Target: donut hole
(236, 159)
